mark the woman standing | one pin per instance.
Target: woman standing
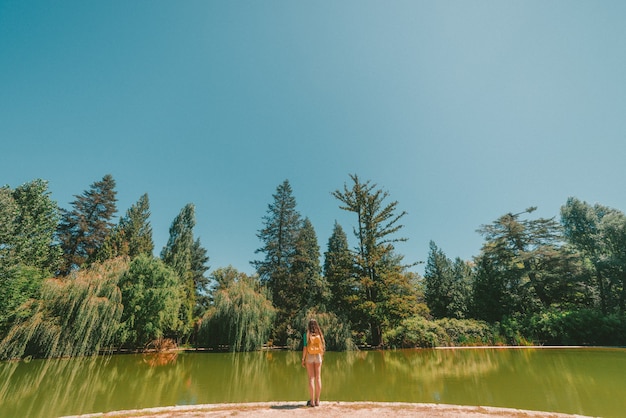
(312, 355)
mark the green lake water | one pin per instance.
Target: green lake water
(586, 381)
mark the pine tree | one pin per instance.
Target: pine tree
(448, 285)
(307, 287)
(84, 229)
(339, 273)
(136, 228)
(132, 236)
(282, 225)
(375, 261)
(437, 280)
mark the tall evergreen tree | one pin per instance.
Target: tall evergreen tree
(437, 281)
(178, 254)
(133, 234)
(85, 228)
(375, 261)
(339, 273)
(282, 225)
(307, 285)
(462, 279)
(491, 300)
(447, 285)
(136, 229)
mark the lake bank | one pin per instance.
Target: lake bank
(329, 410)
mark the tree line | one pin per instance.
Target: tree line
(73, 282)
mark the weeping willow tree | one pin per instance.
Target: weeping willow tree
(74, 316)
(241, 316)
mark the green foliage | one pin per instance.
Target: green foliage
(72, 317)
(523, 268)
(35, 226)
(337, 333)
(137, 229)
(437, 280)
(340, 275)
(465, 332)
(306, 269)
(375, 261)
(490, 297)
(511, 331)
(534, 280)
(417, 331)
(83, 230)
(241, 317)
(599, 233)
(199, 260)
(581, 327)
(413, 332)
(400, 296)
(151, 295)
(28, 219)
(21, 284)
(280, 236)
(180, 253)
(447, 285)
(178, 250)
(133, 234)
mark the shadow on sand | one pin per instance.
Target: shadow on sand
(288, 407)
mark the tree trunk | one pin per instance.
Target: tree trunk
(377, 335)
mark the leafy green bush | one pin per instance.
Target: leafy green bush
(465, 332)
(582, 327)
(413, 332)
(420, 332)
(511, 331)
(16, 287)
(151, 294)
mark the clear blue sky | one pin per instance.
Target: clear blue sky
(461, 110)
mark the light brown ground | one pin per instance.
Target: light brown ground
(329, 410)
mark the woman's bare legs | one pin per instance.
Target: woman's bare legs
(310, 369)
(318, 382)
(314, 370)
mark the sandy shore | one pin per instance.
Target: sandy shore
(329, 410)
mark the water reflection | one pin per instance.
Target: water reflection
(580, 381)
